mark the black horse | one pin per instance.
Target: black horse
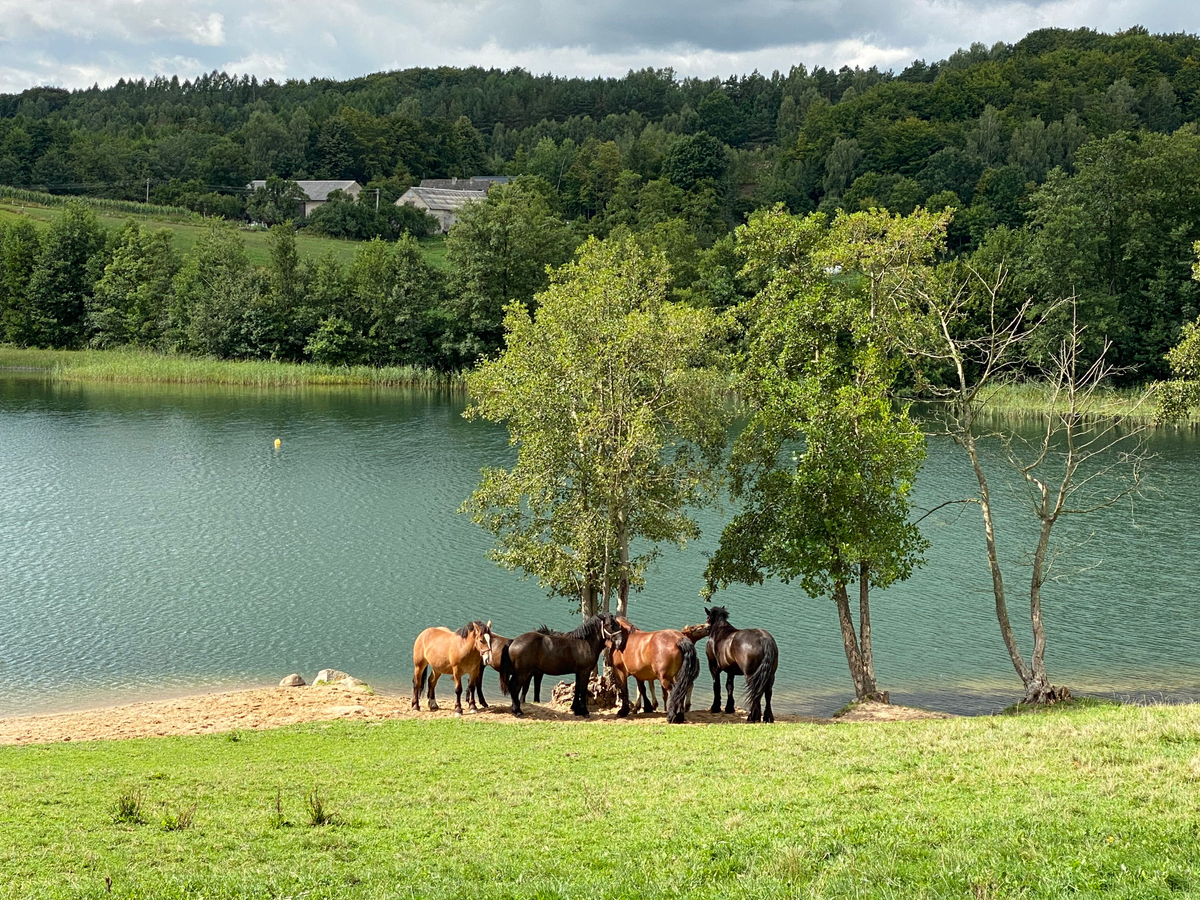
(741, 651)
(537, 653)
(492, 655)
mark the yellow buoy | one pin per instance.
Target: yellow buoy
(278, 443)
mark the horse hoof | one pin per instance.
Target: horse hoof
(622, 713)
(417, 707)
(518, 714)
(433, 707)
(458, 713)
(714, 710)
(470, 711)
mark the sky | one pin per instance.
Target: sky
(75, 43)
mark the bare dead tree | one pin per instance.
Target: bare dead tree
(1079, 463)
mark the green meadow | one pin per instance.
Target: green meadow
(1087, 801)
(309, 246)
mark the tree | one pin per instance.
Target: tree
(1082, 461)
(694, 158)
(216, 294)
(819, 371)
(394, 292)
(72, 258)
(1179, 396)
(131, 299)
(499, 251)
(276, 202)
(618, 421)
(20, 247)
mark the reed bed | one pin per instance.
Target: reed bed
(141, 366)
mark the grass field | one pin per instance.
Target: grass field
(143, 366)
(1098, 801)
(309, 246)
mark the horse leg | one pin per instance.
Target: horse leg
(623, 691)
(643, 698)
(730, 706)
(755, 705)
(769, 716)
(472, 689)
(433, 680)
(654, 696)
(458, 679)
(579, 703)
(716, 677)
(478, 684)
(537, 688)
(418, 683)
(688, 706)
(517, 686)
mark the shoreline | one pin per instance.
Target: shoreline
(265, 708)
(136, 366)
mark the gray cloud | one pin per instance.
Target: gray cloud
(74, 43)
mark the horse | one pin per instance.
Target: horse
(491, 647)
(439, 651)
(741, 651)
(667, 656)
(546, 652)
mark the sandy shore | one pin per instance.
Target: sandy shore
(272, 707)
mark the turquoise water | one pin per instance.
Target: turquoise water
(152, 542)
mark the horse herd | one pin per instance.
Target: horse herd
(668, 657)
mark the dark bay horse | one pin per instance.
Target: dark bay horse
(439, 651)
(491, 648)
(648, 656)
(555, 653)
(741, 651)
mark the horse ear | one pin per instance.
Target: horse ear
(489, 624)
(707, 611)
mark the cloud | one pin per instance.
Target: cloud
(73, 42)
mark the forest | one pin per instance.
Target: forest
(1068, 157)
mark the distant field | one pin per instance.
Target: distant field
(186, 235)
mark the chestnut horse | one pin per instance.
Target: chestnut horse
(665, 656)
(548, 652)
(439, 651)
(741, 651)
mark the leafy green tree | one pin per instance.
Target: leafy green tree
(499, 251)
(276, 202)
(694, 158)
(1178, 397)
(20, 248)
(132, 297)
(217, 296)
(395, 292)
(617, 419)
(72, 258)
(820, 369)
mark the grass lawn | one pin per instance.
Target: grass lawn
(309, 246)
(1093, 801)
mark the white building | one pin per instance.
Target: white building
(442, 198)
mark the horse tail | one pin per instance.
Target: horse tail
(421, 684)
(507, 670)
(764, 676)
(677, 702)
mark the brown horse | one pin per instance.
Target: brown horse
(440, 651)
(491, 648)
(665, 656)
(741, 651)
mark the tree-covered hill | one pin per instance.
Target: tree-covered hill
(1069, 157)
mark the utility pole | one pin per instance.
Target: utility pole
(147, 190)
(377, 201)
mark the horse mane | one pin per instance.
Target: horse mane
(465, 631)
(546, 629)
(719, 613)
(587, 630)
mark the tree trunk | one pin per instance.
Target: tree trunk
(1038, 689)
(864, 633)
(623, 557)
(989, 530)
(864, 682)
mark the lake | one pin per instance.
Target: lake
(154, 543)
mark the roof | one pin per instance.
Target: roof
(474, 183)
(316, 191)
(438, 198)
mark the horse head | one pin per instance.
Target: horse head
(716, 614)
(613, 631)
(482, 635)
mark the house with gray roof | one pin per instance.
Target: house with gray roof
(317, 192)
(441, 203)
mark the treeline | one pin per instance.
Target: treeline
(75, 285)
(1067, 156)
